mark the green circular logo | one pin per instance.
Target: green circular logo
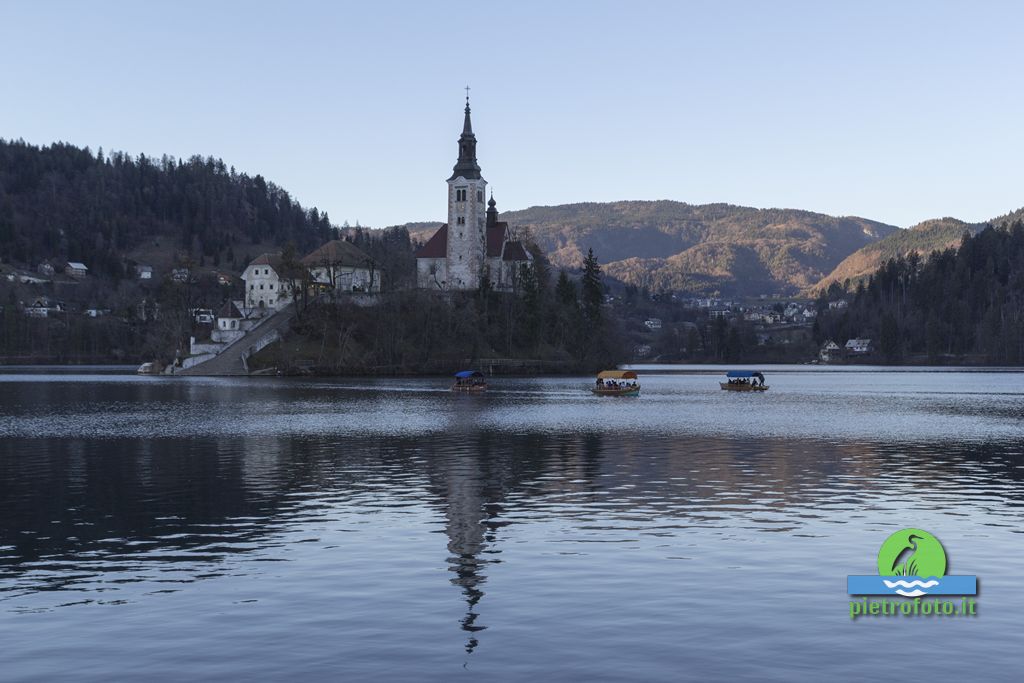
(912, 552)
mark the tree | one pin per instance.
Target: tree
(296, 277)
(889, 338)
(565, 291)
(531, 304)
(591, 291)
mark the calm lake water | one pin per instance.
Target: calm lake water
(279, 529)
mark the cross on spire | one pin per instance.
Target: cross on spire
(467, 95)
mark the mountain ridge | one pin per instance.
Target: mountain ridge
(670, 245)
(935, 234)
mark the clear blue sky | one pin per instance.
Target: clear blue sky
(896, 111)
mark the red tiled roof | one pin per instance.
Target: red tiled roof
(436, 246)
(337, 253)
(514, 251)
(272, 260)
(496, 235)
(229, 310)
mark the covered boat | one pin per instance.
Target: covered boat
(616, 383)
(744, 380)
(469, 380)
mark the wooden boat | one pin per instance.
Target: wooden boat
(616, 383)
(744, 380)
(470, 381)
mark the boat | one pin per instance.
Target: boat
(152, 368)
(744, 380)
(470, 381)
(616, 383)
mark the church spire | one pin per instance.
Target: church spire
(467, 125)
(492, 212)
(466, 166)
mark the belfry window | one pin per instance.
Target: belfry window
(480, 196)
(460, 194)
(461, 220)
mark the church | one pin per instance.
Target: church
(474, 244)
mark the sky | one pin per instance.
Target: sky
(894, 111)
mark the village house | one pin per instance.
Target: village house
(653, 324)
(180, 274)
(231, 323)
(264, 288)
(473, 244)
(830, 352)
(838, 305)
(44, 308)
(229, 317)
(342, 267)
(144, 272)
(753, 316)
(858, 347)
(76, 269)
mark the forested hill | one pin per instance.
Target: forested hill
(934, 235)
(963, 302)
(667, 245)
(64, 202)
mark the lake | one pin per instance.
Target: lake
(270, 529)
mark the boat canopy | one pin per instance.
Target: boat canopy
(737, 374)
(616, 374)
(466, 374)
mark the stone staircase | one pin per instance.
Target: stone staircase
(232, 360)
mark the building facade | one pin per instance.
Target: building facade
(473, 244)
(343, 267)
(264, 288)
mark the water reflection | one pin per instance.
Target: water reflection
(542, 517)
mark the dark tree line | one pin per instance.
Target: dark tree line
(962, 302)
(414, 331)
(64, 202)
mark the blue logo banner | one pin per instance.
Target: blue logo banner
(912, 586)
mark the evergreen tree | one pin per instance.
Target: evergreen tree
(591, 291)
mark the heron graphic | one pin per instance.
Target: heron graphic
(905, 563)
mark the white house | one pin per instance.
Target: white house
(838, 305)
(264, 288)
(43, 307)
(144, 272)
(858, 346)
(342, 266)
(653, 324)
(229, 317)
(829, 352)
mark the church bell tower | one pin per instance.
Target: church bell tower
(467, 241)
